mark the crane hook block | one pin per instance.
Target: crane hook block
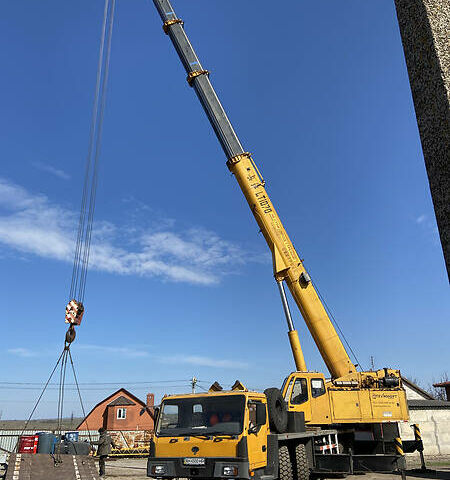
(74, 312)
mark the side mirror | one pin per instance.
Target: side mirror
(153, 412)
(261, 414)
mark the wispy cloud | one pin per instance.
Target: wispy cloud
(31, 224)
(200, 361)
(46, 167)
(128, 352)
(429, 227)
(21, 352)
(420, 219)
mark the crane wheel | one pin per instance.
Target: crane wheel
(276, 407)
(286, 472)
(301, 462)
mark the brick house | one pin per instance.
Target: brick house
(120, 411)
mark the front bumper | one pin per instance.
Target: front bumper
(213, 468)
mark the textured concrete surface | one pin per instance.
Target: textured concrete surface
(434, 422)
(434, 426)
(424, 27)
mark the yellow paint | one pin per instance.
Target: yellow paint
(297, 352)
(288, 267)
(179, 447)
(359, 403)
(207, 448)
(256, 441)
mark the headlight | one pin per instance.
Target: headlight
(230, 471)
(158, 469)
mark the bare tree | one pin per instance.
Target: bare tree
(438, 392)
(413, 379)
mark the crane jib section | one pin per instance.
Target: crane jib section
(287, 264)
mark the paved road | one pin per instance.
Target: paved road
(134, 469)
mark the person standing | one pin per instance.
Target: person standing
(105, 442)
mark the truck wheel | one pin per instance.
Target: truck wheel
(301, 462)
(284, 464)
(278, 417)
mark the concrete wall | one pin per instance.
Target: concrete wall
(435, 428)
(412, 394)
(424, 27)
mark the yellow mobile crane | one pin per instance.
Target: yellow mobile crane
(343, 423)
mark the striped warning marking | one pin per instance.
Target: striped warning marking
(399, 445)
(43, 467)
(417, 434)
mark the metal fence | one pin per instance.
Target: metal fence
(9, 438)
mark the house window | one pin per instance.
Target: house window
(121, 413)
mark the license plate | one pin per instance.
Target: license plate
(194, 461)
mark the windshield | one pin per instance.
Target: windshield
(213, 415)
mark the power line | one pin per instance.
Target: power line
(88, 389)
(105, 383)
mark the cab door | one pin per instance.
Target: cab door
(256, 429)
(298, 397)
(320, 401)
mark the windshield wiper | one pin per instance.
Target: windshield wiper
(223, 434)
(203, 436)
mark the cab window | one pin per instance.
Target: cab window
(317, 387)
(252, 413)
(299, 391)
(288, 389)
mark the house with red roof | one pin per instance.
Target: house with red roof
(120, 411)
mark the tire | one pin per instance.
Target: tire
(278, 417)
(301, 462)
(286, 471)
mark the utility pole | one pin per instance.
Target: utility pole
(193, 383)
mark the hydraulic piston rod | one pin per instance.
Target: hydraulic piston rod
(286, 262)
(292, 333)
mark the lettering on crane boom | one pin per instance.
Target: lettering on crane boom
(263, 203)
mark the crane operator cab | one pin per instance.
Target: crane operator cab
(369, 397)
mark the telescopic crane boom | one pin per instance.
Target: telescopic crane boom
(287, 265)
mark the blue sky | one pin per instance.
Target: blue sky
(181, 281)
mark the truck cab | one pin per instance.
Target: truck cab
(213, 435)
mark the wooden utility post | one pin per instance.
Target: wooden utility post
(424, 27)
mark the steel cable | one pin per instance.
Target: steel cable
(79, 396)
(84, 233)
(82, 219)
(39, 398)
(86, 218)
(88, 237)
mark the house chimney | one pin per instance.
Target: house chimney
(150, 399)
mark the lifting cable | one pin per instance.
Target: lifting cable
(335, 322)
(75, 308)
